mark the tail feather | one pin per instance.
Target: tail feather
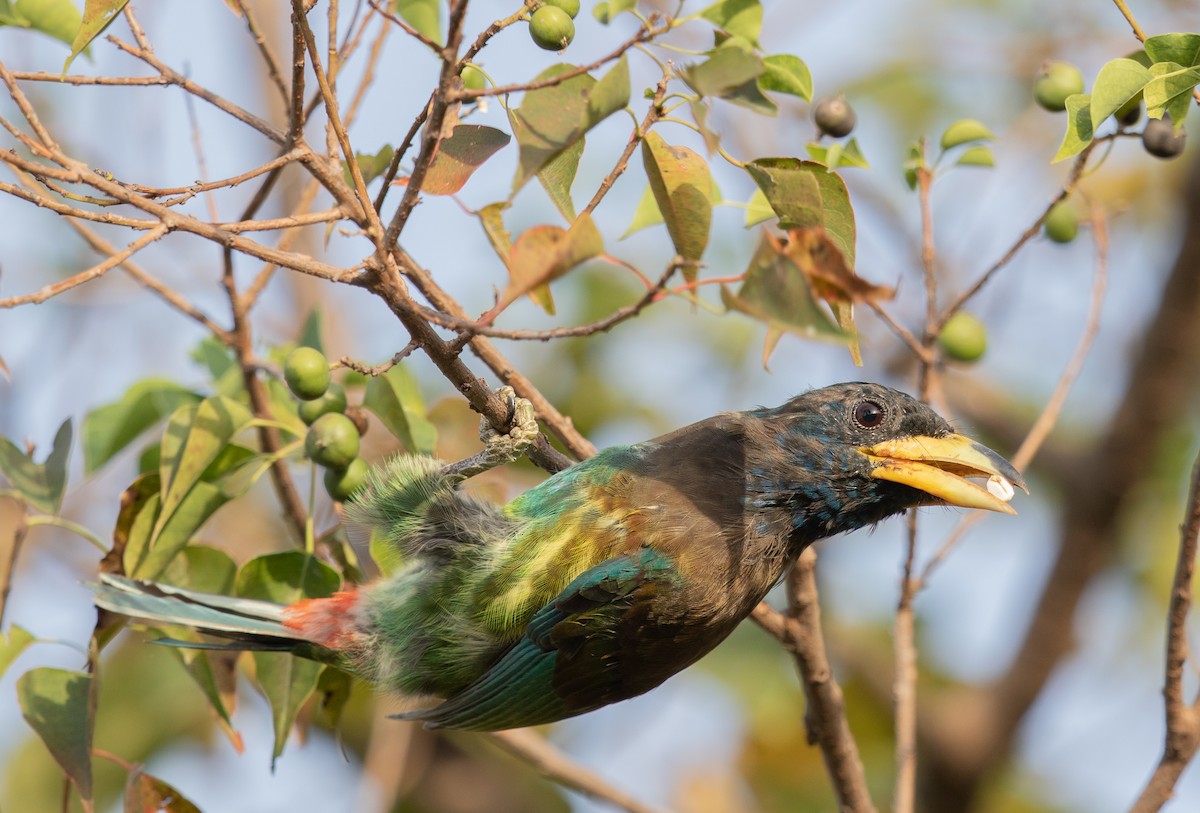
(243, 619)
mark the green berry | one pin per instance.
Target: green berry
(306, 372)
(551, 28)
(964, 337)
(834, 116)
(473, 78)
(569, 6)
(1055, 83)
(341, 484)
(332, 441)
(1160, 139)
(1062, 222)
(334, 400)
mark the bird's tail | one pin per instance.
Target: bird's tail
(252, 624)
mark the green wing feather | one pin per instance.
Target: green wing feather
(569, 660)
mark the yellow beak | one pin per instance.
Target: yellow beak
(939, 466)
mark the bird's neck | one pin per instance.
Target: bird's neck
(800, 483)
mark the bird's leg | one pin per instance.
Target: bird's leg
(501, 448)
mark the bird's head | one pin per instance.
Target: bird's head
(875, 451)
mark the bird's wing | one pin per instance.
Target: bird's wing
(569, 659)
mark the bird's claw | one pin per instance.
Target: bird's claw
(522, 430)
(502, 448)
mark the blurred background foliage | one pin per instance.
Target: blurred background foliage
(726, 736)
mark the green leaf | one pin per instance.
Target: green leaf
(284, 578)
(12, 645)
(151, 548)
(977, 156)
(9, 16)
(805, 193)
(1079, 127)
(838, 154)
(725, 72)
(228, 477)
(284, 408)
(42, 485)
(491, 217)
(222, 367)
(370, 166)
(202, 470)
(1182, 49)
(396, 401)
(1118, 82)
(605, 11)
(97, 16)
(144, 792)
(58, 18)
(423, 15)
(558, 175)
(194, 438)
(786, 74)
(681, 183)
(1169, 91)
(310, 333)
(58, 705)
(751, 97)
(914, 162)
(552, 119)
(965, 131)
(460, 155)
(758, 209)
(648, 214)
(776, 293)
(741, 18)
(333, 687)
(110, 428)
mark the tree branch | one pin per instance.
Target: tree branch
(825, 717)
(1182, 719)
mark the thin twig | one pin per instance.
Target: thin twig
(76, 79)
(825, 716)
(406, 28)
(1034, 229)
(485, 36)
(168, 295)
(468, 327)
(551, 763)
(554, 420)
(644, 34)
(189, 105)
(635, 138)
(1046, 420)
(173, 77)
(98, 270)
(904, 686)
(1128, 15)
(378, 369)
(332, 112)
(274, 69)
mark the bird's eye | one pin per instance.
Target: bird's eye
(869, 414)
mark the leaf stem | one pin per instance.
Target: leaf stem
(68, 525)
